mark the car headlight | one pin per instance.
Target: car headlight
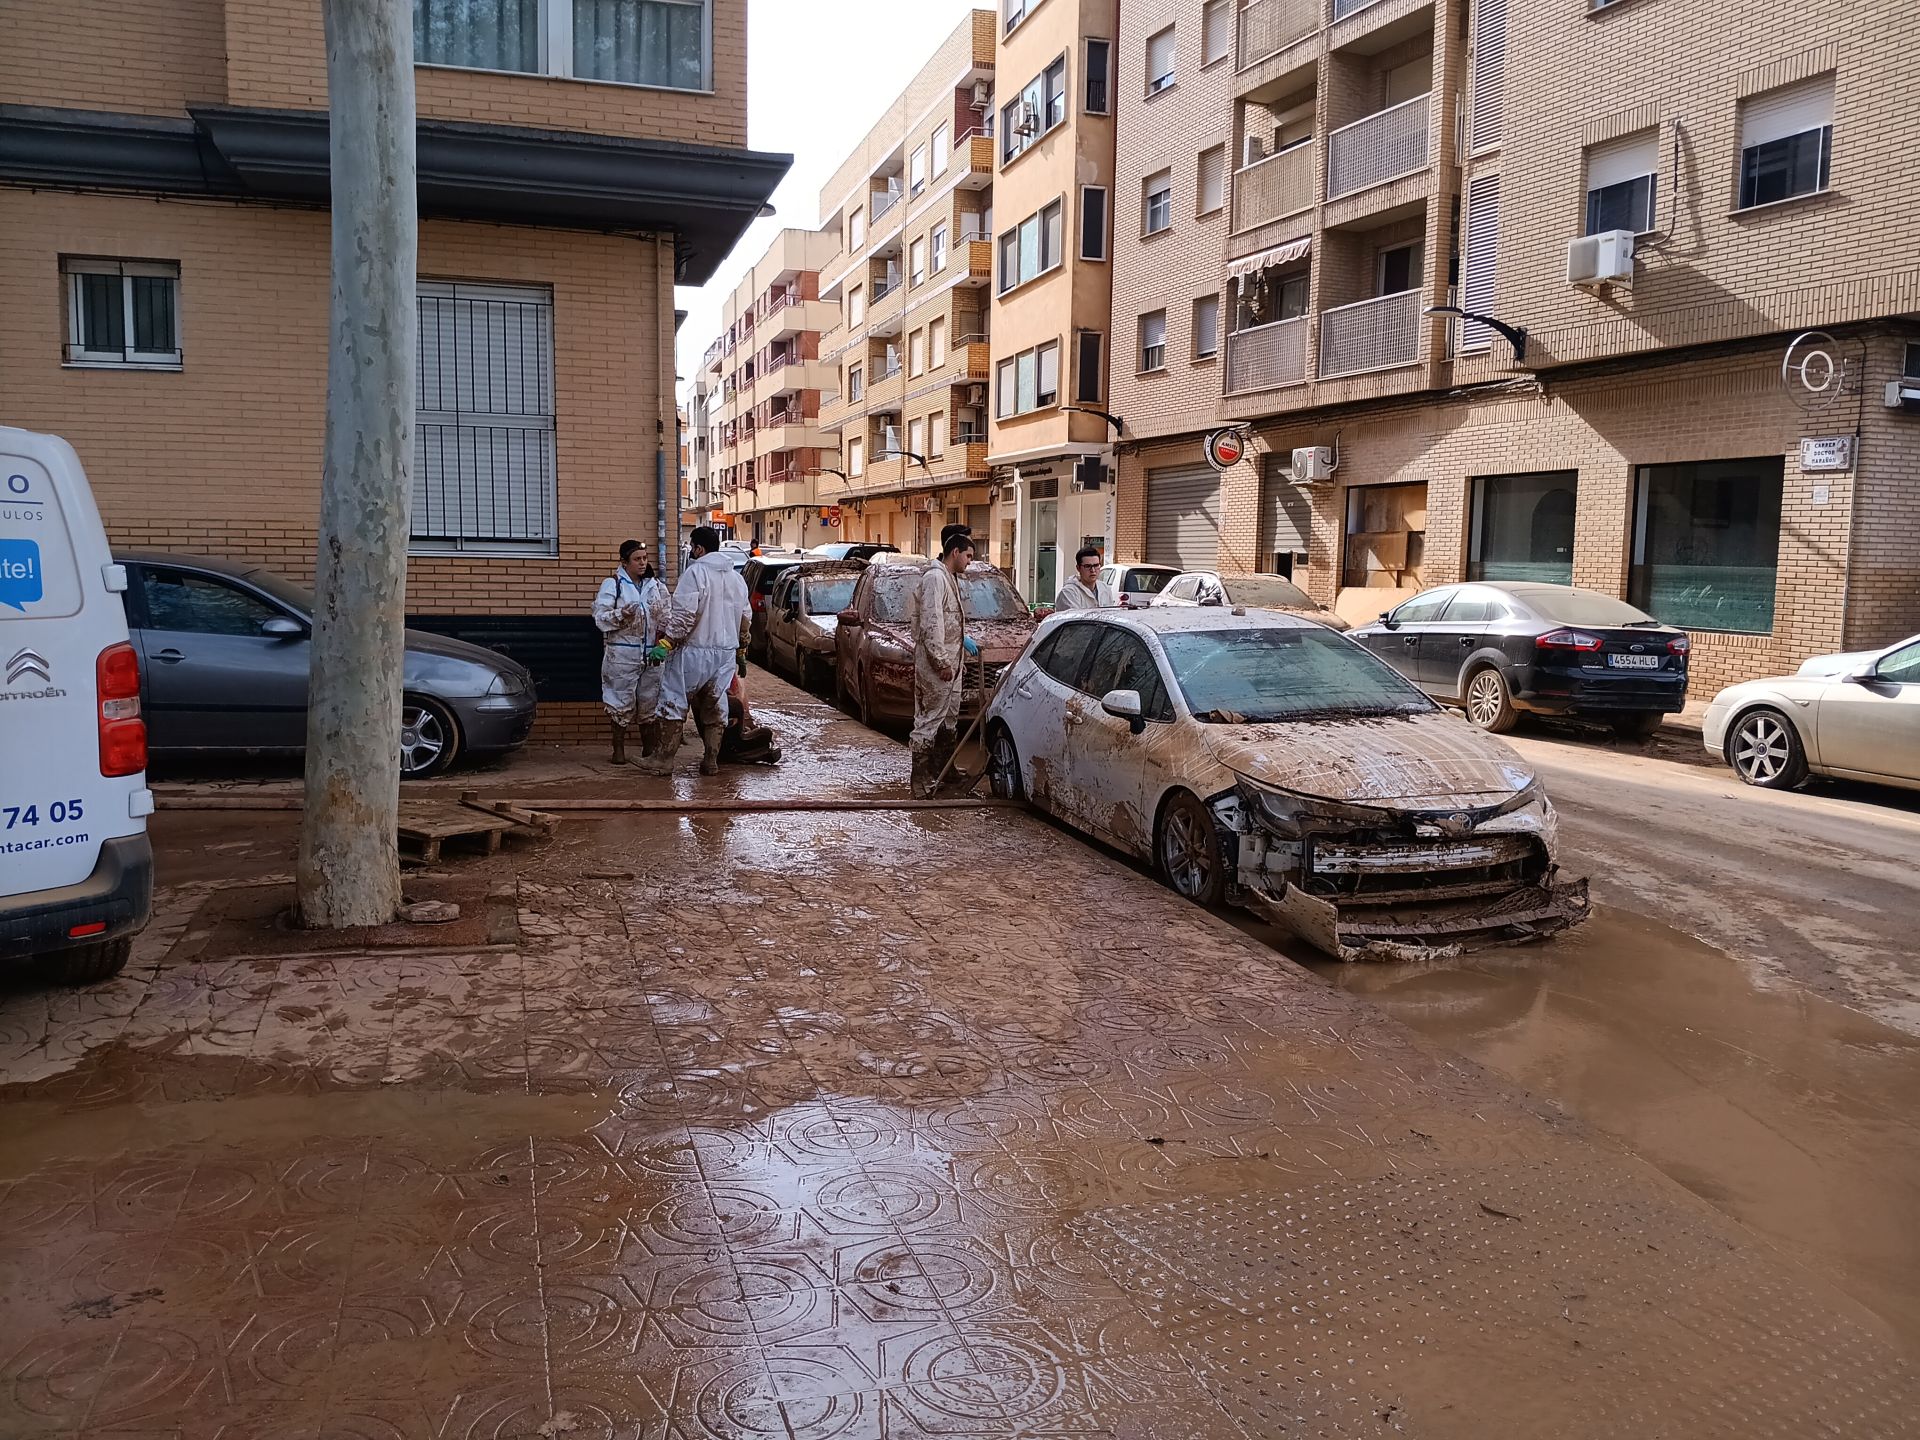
(508, 682)
(1287, 815)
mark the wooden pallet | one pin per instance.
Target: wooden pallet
(426, 825)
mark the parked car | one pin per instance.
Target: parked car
(1133, 585)
(853, 550)
(223, 649)
(1853, 716)
(803, 614)
(1265, 760)
(76, 867)
(873, 642)
(1248, 592)
(760, 572)
(1499, 648)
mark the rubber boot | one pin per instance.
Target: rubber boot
(920, 786)
(666, 748)
(649, 738)
(619, 742)
(710, 736)
(939, 757)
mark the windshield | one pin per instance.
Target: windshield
(1267, 592)
(285, 591)
(1583, 607)
(985, 594)
(830, 597)
(1145, 582)
(1255, 675)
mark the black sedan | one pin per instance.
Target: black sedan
(1498, 648)
(224, 655)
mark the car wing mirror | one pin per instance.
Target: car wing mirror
(1386, 619)
(282, 627)
(850, 618)
(1867, 676)
(1125, 705)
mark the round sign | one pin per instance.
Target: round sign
(1225, 449)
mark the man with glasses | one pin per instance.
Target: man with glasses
(1082, 592)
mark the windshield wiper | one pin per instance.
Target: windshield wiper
(1642, 624)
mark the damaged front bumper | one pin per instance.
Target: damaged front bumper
(1376, 884)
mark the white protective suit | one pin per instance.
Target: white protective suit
(630, 615)
(1074, 595)
(939, 629)
(708, 625)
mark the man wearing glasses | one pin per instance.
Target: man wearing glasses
(1082, 592)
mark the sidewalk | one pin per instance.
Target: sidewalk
(833, 1127)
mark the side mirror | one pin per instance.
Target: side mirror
(1860, 677)
(282, 627)
(850, 619)
(1125, 705)
(1386, 619)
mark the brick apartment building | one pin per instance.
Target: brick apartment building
(1338, 167)
(164, 280)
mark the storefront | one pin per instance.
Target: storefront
(1049, 511)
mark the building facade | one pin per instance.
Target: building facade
(164, 278)
(767, 375)
(1672, 434)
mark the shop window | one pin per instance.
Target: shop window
(1386, 537)
(1706, 543)
(1522, 527)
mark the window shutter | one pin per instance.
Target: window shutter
(1622, 160)
(1213, 179)
(1489, 74)
(1160, 55)
(1218, 38)
(1787, 111)
(1478, 275)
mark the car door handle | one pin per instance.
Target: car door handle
(169, 657)
(1409, 639)
(1074, 717)
(1466, 640)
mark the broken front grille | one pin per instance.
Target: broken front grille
(1392, 867)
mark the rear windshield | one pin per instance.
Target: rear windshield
(1145, 582)
(830, 597)
(770, 573)
(1267, 592)
(1583, 607)
(984, 596)
(1252, 675)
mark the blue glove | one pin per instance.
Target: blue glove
(972, 648)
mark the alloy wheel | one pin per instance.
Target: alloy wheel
(1761, 749)
(1484, 698)
(423, 739)
(1186, 852)
(1003, 766)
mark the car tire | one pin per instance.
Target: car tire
(1187, 852)
(814, 674)
(1765, 750)
(1003, 764)
(429, 738)
(87, 964)
(1637, 724)
(1488, 702)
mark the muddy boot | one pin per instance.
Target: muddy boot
(710, 736)
(920, 785)
(666, 748)
(649, 738)
(938, 760)
(619, 742)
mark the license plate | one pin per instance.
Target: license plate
(1634, 662)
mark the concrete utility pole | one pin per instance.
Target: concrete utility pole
(349, 867)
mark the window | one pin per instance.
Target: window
(942, 147)
(1206, 327)
(939, 241)
(1099, 76)
(856, 457)
(1267, 296)
(1622, 184)
(1216, 39)
(1015, 11)
(1093, 222)
(1399, 269)
(856, 229)
(1032, 248)
(483, 449)
(1213, 180)
(199, 605)
(1034, 111)
(917, 353)
(1092, 352)
(1706, 543)
(1005, 390)
(856, 383)
(917, 170)
(937, 433)
(856, 307)
(660, 43)
(1153, 341)
(936, 344)
(917, 437)
(1157, 203)
(123, 312)
(1786, 139)
(917, 262)
(1160, 61)
(1120, 661)
(1028, 381)
(1902, 666)
(1523, 527)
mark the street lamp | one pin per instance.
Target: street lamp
(1119, 425)
(1516, 335)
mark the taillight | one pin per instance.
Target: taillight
(1679, 645)
(123, 734)
(1568, 640)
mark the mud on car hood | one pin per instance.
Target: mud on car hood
(998, 639)
(1421, 761)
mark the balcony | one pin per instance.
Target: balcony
(1371, 335)
(978, 255)
(1343, 8)
(1269, 26)
(883, 203)
(1265, 357)
(796, 317)
(1384, 146)
(1273, 188)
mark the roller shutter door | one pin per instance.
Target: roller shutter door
(1183, 517)
(1286, 514)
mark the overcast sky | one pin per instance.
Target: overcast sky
(820, 73)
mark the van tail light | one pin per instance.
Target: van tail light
(1568, 640)
(1679, 645)
(123, 734)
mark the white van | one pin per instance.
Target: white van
(76, 871)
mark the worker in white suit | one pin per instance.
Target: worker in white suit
(940, 647)
(630, 611)
(702, 650)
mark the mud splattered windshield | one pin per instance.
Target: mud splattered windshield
(985, 594)
(830, 597)
(1248, 676)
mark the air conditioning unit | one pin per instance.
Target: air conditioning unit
(1313, 465)
(1028, 122)
(982, 94)
(1603, 259)
(1252, 152)
(976, 394)
(1904, 394)
(1089, 474)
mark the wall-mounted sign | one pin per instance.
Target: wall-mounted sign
(1225, 449)
(1826, 452)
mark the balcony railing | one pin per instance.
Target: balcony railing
(1371, 335)
(885, 370)
(1269, 26)
(884, 201)
(1385, 145)
(1272, 188)
(1344, 8)
(884, 287)
(1266, 357)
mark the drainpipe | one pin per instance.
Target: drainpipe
(660, 495)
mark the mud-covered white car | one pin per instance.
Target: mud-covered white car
(1264, 760)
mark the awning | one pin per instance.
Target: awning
(1268, 259)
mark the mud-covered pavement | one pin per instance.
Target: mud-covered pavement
(808, 1126)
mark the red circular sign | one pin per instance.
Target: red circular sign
(1225, 449)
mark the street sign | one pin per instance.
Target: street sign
(1826, 452)
(1225, 449)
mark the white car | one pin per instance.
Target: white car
(1244, 592)
(1854, 716)
(1266, 760)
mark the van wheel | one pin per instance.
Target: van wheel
(1489, 704)
(87, 964)
(429, 738)
(1188, 849)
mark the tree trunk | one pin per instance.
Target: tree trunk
(349, 868)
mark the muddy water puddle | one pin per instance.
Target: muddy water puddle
(1792, 1114)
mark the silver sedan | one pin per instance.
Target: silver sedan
(1854, 716)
